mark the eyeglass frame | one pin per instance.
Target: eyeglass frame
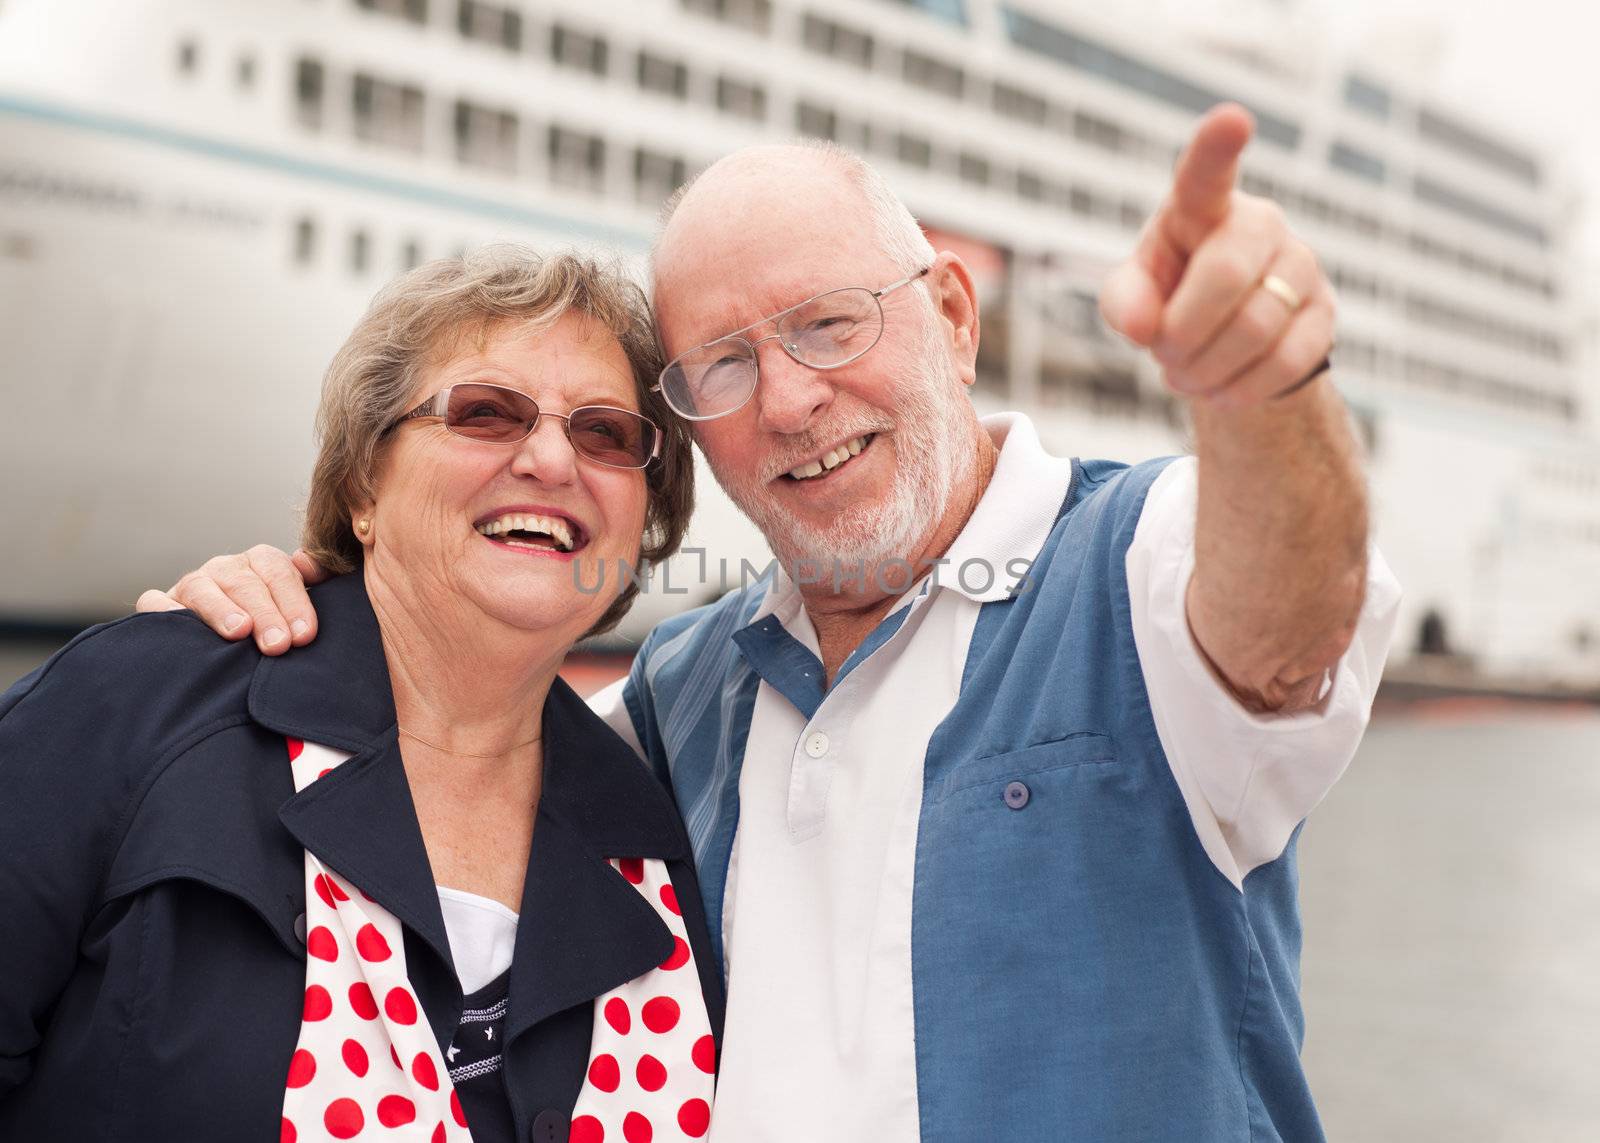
(877, 298)
(439, 404)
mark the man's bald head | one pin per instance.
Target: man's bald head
(785, 186)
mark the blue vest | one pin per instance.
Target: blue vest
(1081, 969)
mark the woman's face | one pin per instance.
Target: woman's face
(439, 493)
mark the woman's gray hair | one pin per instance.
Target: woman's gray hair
(373, 380)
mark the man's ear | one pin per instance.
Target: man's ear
(955, 298)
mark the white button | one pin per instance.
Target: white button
(817, 744)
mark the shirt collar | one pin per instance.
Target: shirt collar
(1015, 515)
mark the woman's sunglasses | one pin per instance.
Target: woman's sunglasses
(493, 413)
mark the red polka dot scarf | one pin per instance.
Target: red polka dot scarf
(367, 1065)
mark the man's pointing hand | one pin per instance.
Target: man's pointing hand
(1233, 306)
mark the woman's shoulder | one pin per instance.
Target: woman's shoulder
(153, 673)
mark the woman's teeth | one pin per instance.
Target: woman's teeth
(831, 460)
(552, 526)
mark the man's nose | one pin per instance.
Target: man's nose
(547, 453)
(789, 396)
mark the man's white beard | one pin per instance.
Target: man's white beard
(934, 456)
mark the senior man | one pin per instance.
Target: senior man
(993, 856)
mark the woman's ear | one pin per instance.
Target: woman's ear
(956, 299)
(361, 524)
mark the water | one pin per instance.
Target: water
(1451, 889)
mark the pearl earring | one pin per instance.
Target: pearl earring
(363, 526)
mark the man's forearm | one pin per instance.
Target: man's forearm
(1280, 543)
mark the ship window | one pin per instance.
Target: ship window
(411, 255)
(657, 175)
(309, 84)
(416, 11)
(1132, 214)
(663, 75)
(1099, 132)
(1030, 186)
(932, 74)
(841, 41)
(746, 100)
(188, 57)
(245, 72)
(360, 251)
(387, 113)
(578, 50)
(490, 24)
(1024, 106)
(485, 137)
(913, 150)
(1437, 194)
(974, 169)
(1344, 157)
(751, 15)
(577, 159)
(305, 239)
(955, 11)
(1364, 95)
(815, 121)
(1474, 144)
(1072, 50)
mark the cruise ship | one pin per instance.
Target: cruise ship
(198, 197)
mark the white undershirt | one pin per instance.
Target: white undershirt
(482, 934)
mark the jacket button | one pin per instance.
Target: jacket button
(300, 928)
(549, 1127)
(1017, 794)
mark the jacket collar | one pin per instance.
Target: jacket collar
(586, 929)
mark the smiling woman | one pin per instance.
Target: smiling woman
(464, 323)
(221, 868)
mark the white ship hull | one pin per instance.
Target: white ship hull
(165, 331)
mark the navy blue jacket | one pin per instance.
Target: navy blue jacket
(152, 881)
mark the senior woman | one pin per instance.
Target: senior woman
(402, 884)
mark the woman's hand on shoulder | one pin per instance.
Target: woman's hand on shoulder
(260, 591)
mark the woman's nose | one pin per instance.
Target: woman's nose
(546, 454)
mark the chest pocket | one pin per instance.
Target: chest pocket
(211, 818)
(999, 774)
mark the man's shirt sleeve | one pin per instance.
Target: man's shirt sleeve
(1248, 779)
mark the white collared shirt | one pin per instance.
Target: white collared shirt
(820, 1037)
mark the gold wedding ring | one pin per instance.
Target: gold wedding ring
(1283, 291)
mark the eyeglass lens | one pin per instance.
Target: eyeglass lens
(823, 333)
(504, 416)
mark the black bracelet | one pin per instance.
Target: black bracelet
(1322, 367)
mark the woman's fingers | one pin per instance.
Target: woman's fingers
(1258, 323)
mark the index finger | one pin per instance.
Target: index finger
(1203, 181)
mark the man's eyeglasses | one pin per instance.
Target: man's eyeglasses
(823, 332)
(493, 413)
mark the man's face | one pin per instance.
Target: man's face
(749, 247)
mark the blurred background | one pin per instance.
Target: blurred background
(198, 197)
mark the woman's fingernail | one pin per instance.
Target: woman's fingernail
(299, 627)
(232, 622)
(273, 637)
